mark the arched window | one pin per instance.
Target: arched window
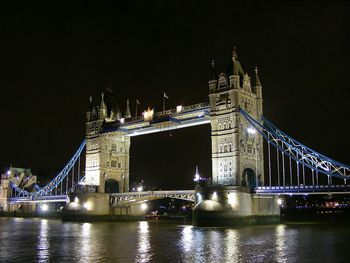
(114, 147)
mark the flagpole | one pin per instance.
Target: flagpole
(163, 102)
(136, 109)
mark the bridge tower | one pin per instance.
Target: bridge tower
(107, 153)
(237, 149)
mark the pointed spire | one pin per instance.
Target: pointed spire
(213, 71)
(118, 113)
(90, 104)
(237, 68)
(196, 176)
(257, 80)
(103, 105)
(234, 54)
(127, 110)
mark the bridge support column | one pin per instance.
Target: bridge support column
(229, 206)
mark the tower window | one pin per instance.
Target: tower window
(113, 163)
(114, 147)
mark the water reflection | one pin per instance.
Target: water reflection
(216, 245)
(85, 242)
(232, 243)
(43, 242)
(144, 245)
(280, 234)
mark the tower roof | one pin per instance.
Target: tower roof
(103, 105)
(257, 80)
(213, 75)
(127, 110)
(236, 66)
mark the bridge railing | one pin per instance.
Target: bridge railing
(302, 156)
(55, 186)
(305, 189)
(117, 199)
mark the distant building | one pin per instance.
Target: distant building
(22, 177)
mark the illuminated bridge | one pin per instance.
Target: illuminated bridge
(297, 169)
(248, 151)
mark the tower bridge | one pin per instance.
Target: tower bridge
(245, 181)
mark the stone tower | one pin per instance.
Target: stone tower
(107, 153)
(237, 148)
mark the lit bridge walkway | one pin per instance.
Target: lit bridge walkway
(302, 190)
(126, 199)
(292, 168)
(40, 199)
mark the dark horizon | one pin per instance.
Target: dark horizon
(54, 58)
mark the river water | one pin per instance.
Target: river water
(46, 240)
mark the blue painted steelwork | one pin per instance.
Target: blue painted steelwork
(297, 151)
(45, 191)
(306, 189)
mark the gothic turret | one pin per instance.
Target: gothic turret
(118, 113)
(258, 88)
(103, 108)
(236, 72)
(127, 110)
(213, 82)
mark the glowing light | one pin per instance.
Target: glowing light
(144, 206)
(215, 195)
(140, 189)
(76, 200)
(232, 199)
(279, 201)
(178, 109)
(87, 205)
(44, 207)
(9, 172)
(122, 120)
(148, 114)
(196, 176)
(251, 130)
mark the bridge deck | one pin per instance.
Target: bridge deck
(302, 190)
(192, 115)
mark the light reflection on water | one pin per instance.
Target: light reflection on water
(144, 245)
(35, 240)
(43, 242)
(232, 245)
(281, 244)
(85, 242)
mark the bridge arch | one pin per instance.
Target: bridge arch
(111, 186)
(249, 178)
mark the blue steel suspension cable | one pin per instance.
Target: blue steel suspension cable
(310, 163)
(54, 182)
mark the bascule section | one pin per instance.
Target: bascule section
(237, 149)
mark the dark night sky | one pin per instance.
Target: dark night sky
(54, 57)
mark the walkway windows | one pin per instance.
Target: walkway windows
(114, 147)
(114, 164)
